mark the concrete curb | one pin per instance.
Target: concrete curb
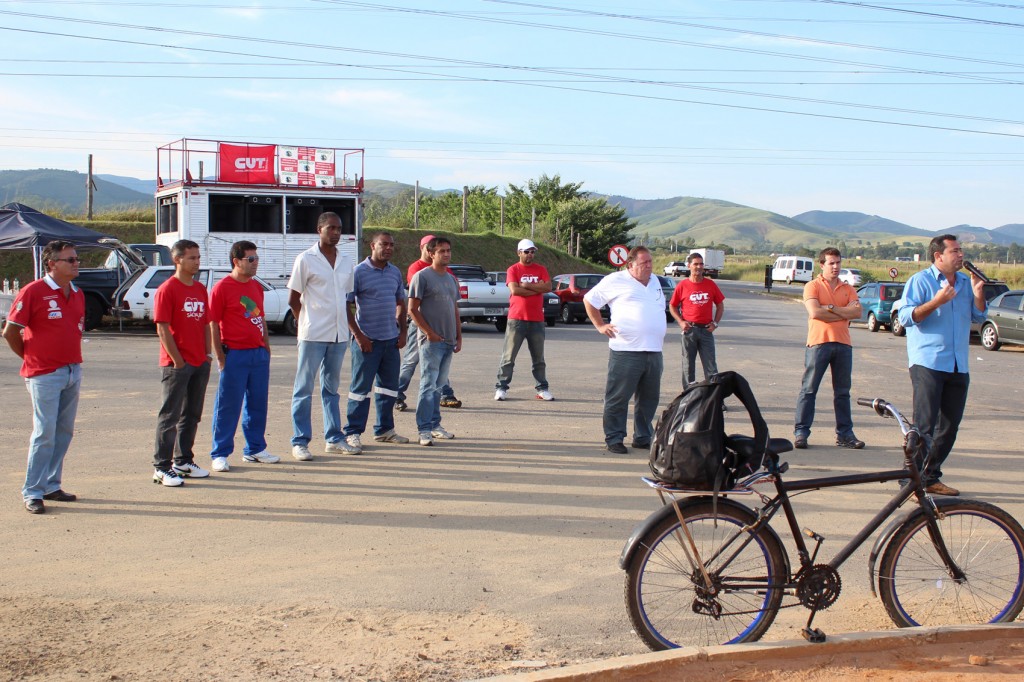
(673, 664)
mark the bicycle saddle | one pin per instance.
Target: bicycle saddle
(744, 445)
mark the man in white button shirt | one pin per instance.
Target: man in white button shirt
(636, 335)
(321, 279)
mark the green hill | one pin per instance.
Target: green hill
(47, 189)
(854, 222)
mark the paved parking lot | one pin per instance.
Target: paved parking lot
(521, 517)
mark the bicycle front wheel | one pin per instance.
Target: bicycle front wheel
(669, 601)
(988, 546)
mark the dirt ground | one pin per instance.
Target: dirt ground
(492, 554)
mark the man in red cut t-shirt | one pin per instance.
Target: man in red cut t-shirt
(179, 310)
(691, 306)
(529, 281)
(44, 329)
(238, 333)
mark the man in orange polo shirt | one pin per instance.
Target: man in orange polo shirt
(44, 329)
(831, 304)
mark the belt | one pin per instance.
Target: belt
(698, 324)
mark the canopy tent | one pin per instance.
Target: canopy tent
(23, 227)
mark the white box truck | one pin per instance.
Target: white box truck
(714, 261)
(216, 193)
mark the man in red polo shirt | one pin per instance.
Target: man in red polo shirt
(44, 329)
(179, 310)
(240, 340)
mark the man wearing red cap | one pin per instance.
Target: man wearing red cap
(411, 358)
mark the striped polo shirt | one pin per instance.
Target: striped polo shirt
(376, 293)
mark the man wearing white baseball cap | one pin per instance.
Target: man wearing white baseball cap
(529, 282)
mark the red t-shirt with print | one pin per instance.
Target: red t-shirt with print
(237, 308)
(53, 325)
(183, 308)
(696, 299)
(527, 308)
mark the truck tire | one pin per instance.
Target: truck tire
(94, 311)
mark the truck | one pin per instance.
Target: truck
(99, 284)
(216, 192)
(481, 297)
(714, 261)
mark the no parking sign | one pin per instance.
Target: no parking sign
(617, 255)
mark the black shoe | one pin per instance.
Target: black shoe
(60, 496)
(800, 443)
(850, 442)
(616, 448)
(401, 406)
(640, 446)
(35, 507)
(451, 401)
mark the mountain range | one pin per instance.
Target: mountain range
(704, 220)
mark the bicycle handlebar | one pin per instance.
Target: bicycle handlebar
(883, 408)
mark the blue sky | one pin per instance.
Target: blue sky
(909, 110)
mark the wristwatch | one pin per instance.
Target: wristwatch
(830, 306)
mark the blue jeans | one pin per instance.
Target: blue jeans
(411, 358)
(939, 400)
(435, 359)
(324, 357)
(245, 380)
(516, 332)
(632, 374)
(698, 340)
(817, 359)
(54, 406)
(381, 363)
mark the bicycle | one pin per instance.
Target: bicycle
(702, 571)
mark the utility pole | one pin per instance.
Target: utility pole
(577, 244)
(533, 221)
(501, 209)
(465, 206)
(90, 187)
(416, 207)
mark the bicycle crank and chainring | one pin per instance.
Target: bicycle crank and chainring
(818, 586)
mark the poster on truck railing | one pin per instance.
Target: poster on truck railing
(306, 166)
(246, 164)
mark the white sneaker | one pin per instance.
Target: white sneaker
(390, 437)
(340, 448)
(167, 478)
(263, 457)
(426, 438)
(355, 443)
(302, 453)
(500, 394)
(439, 432)
(545, 395)
(190, 470)
(220, 464)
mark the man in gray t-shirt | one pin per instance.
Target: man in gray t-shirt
(433, 305)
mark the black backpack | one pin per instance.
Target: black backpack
(690, 448)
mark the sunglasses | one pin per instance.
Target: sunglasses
(72, 260)
(250, 259)
(529, 250)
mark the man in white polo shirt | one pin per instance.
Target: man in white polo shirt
(636, 335)
(321, 279)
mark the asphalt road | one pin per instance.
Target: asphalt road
(523, 514)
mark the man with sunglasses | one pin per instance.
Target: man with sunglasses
(242, 344)
(528, 281)
(44, 329)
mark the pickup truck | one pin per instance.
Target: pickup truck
(482, 297)
(677, 268)
(99, 284)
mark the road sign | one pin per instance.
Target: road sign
(894, 273)
(617, 255)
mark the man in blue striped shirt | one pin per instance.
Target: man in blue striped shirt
(378, 323)
(938, 307)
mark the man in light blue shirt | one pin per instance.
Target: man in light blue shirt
(938, 307)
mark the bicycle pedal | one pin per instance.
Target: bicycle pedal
(814, 636)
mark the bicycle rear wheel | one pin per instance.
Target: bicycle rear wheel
(984, 541)
(667, 598)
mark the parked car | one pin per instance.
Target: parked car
(570, 290)
(552, 304)
(481, 297)
(992, 289)
(677, 268)
(134, 299)
(876, 301)
(1004, 322)
(851, 276)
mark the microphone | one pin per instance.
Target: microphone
(975, 271)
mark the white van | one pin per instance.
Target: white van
(791, 269)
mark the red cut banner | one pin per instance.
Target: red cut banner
(246, 164)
